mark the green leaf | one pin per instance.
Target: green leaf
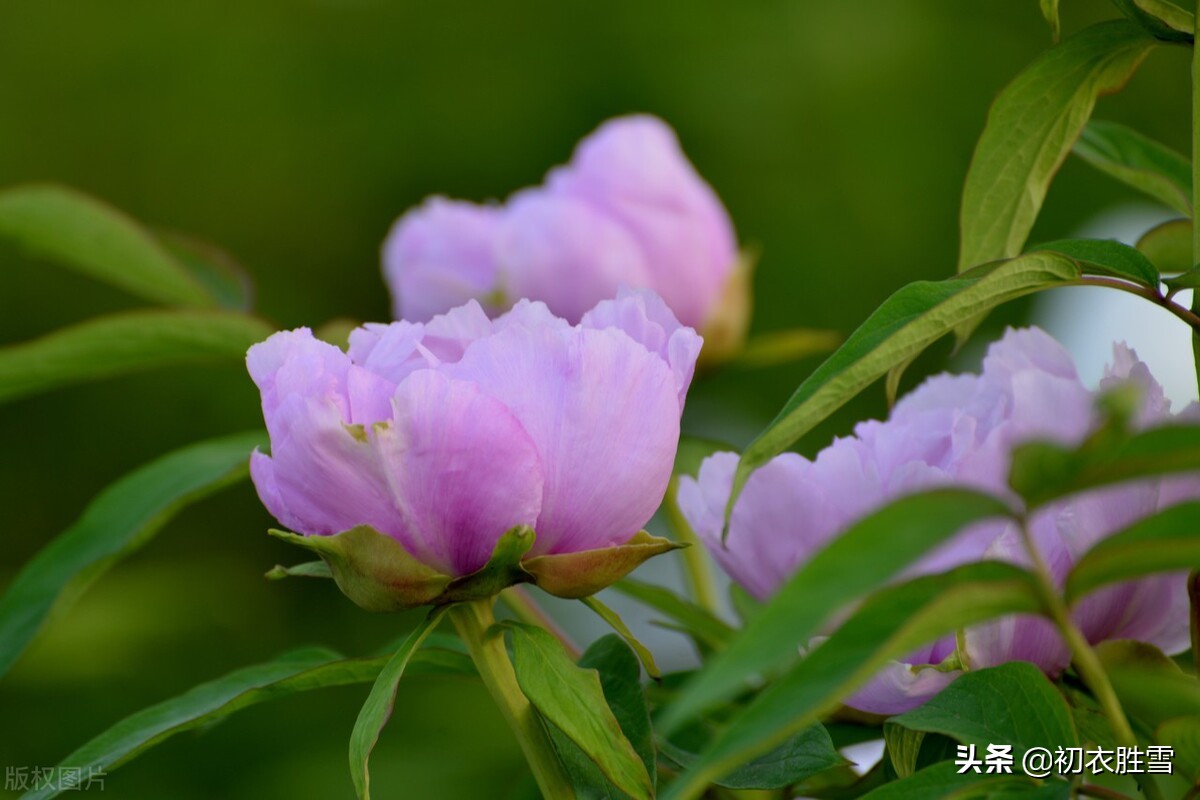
(1161, 18)
(573, 701)
(1151, 687)
(620, 679)
(1042, 472)
(123, 343)
(378, 707)
(84, 234)
(119, 520)
(1164, 542)
(907, 322)
(1182, 735)
(617, 624)
(1031, 128)
(298, 671)
(216, 270)
(868, 554)
(1050, 12)
(1107, 257)
(1169, 248)
(1011, 704)
(1139, 161)
(941, 781)
(696, 621)
(903, 747)
(888, 625)
(800, 757)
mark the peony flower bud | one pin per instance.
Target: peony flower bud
(443, 461)
(628, 210)
(958, 430)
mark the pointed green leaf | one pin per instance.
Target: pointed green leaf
(1031, 128)
(871, 552)
(1161, 18)
(1050, 12)
(573, 701)
(943, 780)
(1013, 704)
(889, 624)
(1107, 257)
(1165, 542)
(378, 707)
(1169, 248)
(216, 270)
(84, 234)
(298, 671)
(696, 621)
(617, 624)
(1139, 161)
(119, 520)
(907, 322)
(124, 343)
(800, 757)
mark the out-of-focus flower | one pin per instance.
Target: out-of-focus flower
(957, 429)
(441, 437)
(628, 210)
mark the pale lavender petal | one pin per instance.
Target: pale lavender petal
(1126, 367)
(645, 317)
(392, 351)
(604, 415)
(461, 470)
(440, 255)
(900, 687)
(296, 362)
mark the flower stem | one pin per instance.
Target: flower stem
(695, 557)
(1086, 662)
(474, 621)
(1196, 187)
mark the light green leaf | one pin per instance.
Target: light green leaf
(1050, 12)
(80, 232)
(868, 554)
(292, 673)
(378, 707)
(1139, 161)
(123, 343)
(1106, 257)
(617, 624)
(800, 757)
(1182, 735)
(907, 322)
(1031, 128)
(1161, 18)
(573, 700)
(1169, 248)
(696, 621)
(119, 520)
(1011, 704)
(1165, 542)
(888, 625)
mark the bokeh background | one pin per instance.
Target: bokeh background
(838, 134)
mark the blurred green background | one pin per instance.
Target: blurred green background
(838, 135)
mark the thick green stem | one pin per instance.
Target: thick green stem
(1083, 657)
(695, 558)
(1196, 186)
(474, 621)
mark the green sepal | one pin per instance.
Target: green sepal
(502, 570)
(309, 569)
(576, 575)
(373, 569)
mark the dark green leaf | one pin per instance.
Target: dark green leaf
(800, 757)
(1011, 704)
(214, 269)
(871, 552)
(292, 673)
(1161, 18)
(888, 625)
(939, 781)
(907, 322)
(1107, 257)
(120, 519)
(692, 619)
(1169, 248)
(1042, 472)
(378, 707)
(573, 701)
(1182, 735)
(1031, 128)
(1165, 542)
(1139, 161)
(80, 232)
(122, 343)
(617, 624)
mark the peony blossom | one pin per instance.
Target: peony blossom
(958, 429)
(628, 210)
(444, 435)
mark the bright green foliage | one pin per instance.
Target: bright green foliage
(1139, 161)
